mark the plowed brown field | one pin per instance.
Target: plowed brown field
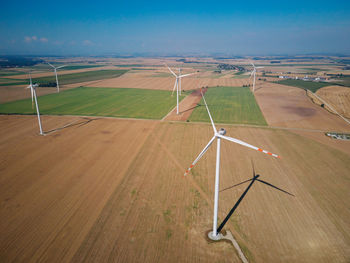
(287, 106)
(12, 93)
(113, 190)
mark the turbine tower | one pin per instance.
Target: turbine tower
(33, 93)
(214, 235)
(253, 73)
(55, 70)
(177, 85)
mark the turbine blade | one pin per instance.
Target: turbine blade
(32, 93)
(211, 119)
(274, 187)
(252, 64)
(50, 65)
(174, 87)
(171, 71)
(236, 185)
(185, 75)
(247, 145)
(61, 66)
(200, 156)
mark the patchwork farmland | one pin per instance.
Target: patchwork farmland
(101, 186)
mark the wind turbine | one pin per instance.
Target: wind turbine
(255, 178)
(55, 69)
(253, 73)
(176, 85)
(33, 93)
(219, 135)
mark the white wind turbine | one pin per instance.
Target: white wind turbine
(55, 69)
(214, 235)
(33, 93)
(177, 85)
(253, 73)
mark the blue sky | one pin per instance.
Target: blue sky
(176, 27)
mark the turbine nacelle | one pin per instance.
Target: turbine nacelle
(222, 131)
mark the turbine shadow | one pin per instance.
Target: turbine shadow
(255, 178)
(79, 124)
(257, 88)
(198, 105)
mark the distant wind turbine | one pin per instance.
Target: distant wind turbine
(176, 85)
(55, 70)
(33, 93)
(214, 235)
(253, 73)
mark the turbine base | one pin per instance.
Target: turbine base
(218, 237)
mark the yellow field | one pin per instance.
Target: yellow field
(338, 97)
(107, 194)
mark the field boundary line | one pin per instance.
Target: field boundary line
(168, 113)
(256, 126)
(184, 122)
(329, 106)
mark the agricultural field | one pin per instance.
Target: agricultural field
(111, 188)
(309, 85)
(81, 77)
(126, 103)
(229, 105)
(338, 97)
(162, 83)
(343, 80)
(115, 191)
(75, 67)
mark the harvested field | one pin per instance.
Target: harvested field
(127, 103)
(189, 83)
(12, 93)
(120, 196)
(286, 106)
(338, 97)
(62, 71)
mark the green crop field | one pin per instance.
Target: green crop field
(4, 82)
(74, 67)
(80, 77)
(5, 72)
(126, 103)
(310, 85)
(229, 105)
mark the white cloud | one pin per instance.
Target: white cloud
(58, 43)
(27, 39)
(44, 40)
(30, 39)
(87, 43)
